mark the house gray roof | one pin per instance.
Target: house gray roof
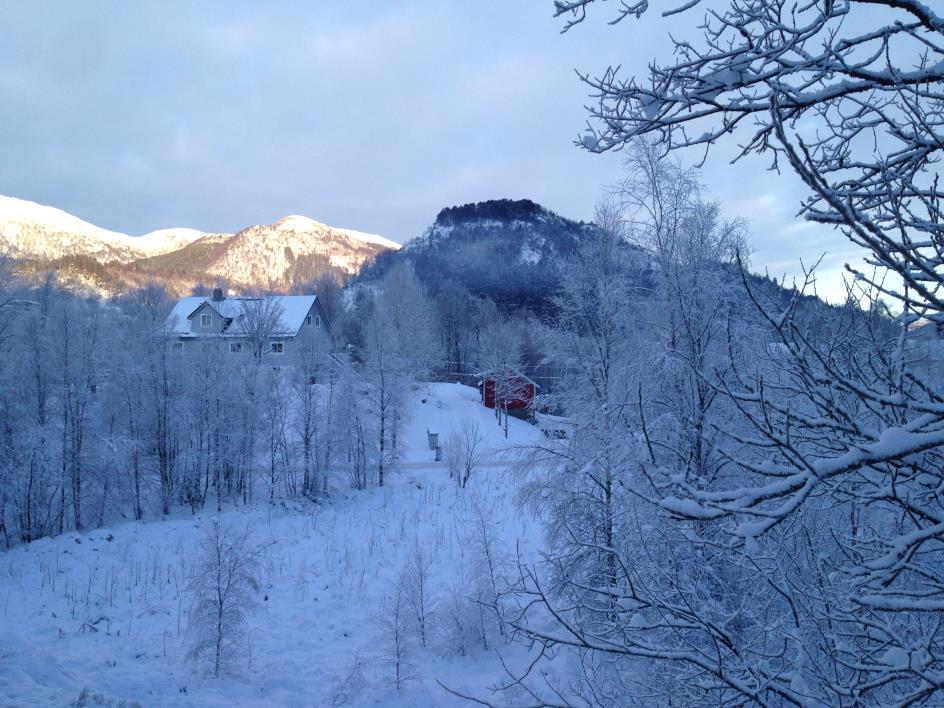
(293, 309)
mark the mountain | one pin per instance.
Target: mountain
(293, 250)
(33, 231)
(508, 250)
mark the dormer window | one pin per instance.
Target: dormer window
(206, 320)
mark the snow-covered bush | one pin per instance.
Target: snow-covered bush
(463, 452)
(398, 622)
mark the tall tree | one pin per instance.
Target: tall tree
(259, 322)
(386, 373)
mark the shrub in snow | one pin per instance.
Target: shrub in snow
(224, 584)
(351, 686)
(463, 452)
(418, 571)
(93, 699)
(397, 621)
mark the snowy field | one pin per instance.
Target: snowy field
(105, 613)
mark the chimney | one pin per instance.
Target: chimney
(218, 295)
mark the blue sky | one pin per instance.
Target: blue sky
(372, 116)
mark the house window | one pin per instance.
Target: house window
(235, 347)
(206, 320)
(277, 347)
(313, 319)
(178, 346)
(308, 319)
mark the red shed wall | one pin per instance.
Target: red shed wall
(520, 403)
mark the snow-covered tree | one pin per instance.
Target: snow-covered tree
(501, 364)
(698, 294)
(463, 452)
(258, 322)
(224, 584)
(812, 545)
(393, 356)
(405, 303)
(275, 414)
(593, 341)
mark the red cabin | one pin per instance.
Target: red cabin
(513, 391)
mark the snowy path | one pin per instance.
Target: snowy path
(106, 611)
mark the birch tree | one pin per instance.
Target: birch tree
(501, 362)
(223, 586)
(464, 451)
(259, 322)
(387, 371)
(593, 340)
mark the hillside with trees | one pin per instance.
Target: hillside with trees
(509, 251)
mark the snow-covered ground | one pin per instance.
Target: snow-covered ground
(106, 612)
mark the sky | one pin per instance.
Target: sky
(371, 116)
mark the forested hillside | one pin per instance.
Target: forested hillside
(509, 251)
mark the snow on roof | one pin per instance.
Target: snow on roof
(293, 310)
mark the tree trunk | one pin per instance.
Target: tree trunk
(383, 436)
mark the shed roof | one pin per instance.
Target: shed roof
(293, 309)
(510, 374)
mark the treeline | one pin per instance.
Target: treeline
(102, 418)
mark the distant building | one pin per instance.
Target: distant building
(279, 330)
(510, 390)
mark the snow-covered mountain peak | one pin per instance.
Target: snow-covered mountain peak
(303, 224)
(35, 231)
(22, 212)
(293, 249)
(167, 240)
(177, 235)
(294, 222)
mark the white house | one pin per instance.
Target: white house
(277, 329)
